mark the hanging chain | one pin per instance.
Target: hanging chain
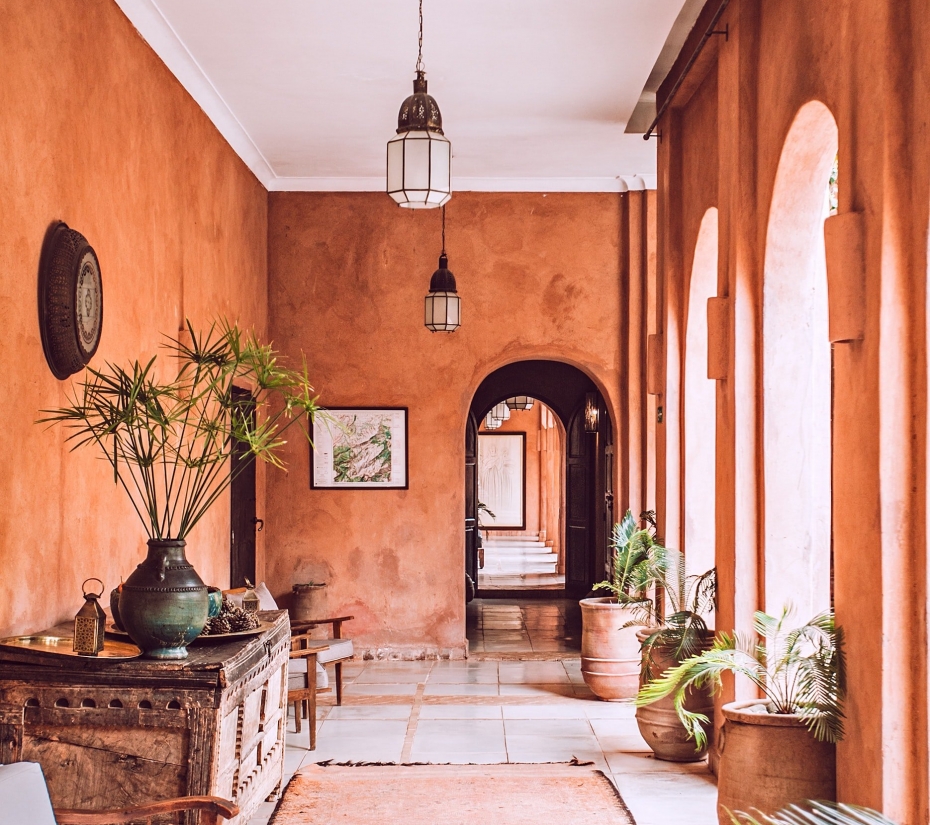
(443, 230)
(420, 54)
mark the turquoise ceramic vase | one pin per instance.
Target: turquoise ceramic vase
(164, 602)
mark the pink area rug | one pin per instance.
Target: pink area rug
(559, 794)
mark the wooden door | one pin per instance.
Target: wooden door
(471, 498)
(579, 505)
(242, 520)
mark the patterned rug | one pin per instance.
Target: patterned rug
(560, 794)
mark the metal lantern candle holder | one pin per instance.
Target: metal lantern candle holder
(90, 622)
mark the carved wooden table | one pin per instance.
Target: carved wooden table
(114, 734)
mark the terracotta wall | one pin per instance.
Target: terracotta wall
(96, 132)
(722, 143)
(539, 276)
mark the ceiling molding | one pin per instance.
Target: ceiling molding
(624, 183)
(164, 41)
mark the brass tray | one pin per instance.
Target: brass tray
(215, 638)
(63, 646)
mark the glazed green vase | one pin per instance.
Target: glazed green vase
(164, 602)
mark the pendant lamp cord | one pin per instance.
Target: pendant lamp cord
(443, 230)
(420, 54)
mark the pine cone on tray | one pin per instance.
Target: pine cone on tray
(232, 619)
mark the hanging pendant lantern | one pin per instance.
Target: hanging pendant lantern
(419, 156)
(490, 422)
(520, 402)
(501, 411)
(442, 308)
(592, 412)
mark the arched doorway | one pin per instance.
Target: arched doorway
(700, 407)
(797, 371)
(587, 514)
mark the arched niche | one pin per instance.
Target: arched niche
(700, 406)
(797, 371)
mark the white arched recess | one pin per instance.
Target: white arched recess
(700, 406)
(797, 372)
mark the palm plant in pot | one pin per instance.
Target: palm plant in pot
(801, 673)
(676, 630)
(169, 444)
(610, 659)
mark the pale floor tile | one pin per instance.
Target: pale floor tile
(440, 689)
(379, 689)
(565, 720)
(547, 727)
(345, 712)
(460, 712)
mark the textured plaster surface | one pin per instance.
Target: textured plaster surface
(96, 132)
(539, 277)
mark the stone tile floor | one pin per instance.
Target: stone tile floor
(496, 707)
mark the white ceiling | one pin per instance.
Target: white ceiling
(535, 94)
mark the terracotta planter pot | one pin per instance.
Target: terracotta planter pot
(770, 760)
(609, 652)
(658, 723)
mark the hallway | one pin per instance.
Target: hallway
(521, 699)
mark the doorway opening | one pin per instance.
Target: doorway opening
(521, 484)
(538, 487)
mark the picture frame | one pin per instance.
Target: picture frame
(359, 448)
(502, 480)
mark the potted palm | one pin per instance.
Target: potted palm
(814, 813)
(801, 673)
(676, 631)
(610, 658)
(169, 442)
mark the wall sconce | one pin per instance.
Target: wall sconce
(592, 413)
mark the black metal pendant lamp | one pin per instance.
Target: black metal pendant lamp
(442, 306)
(419, 156)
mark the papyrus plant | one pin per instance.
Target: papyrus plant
(169, 442)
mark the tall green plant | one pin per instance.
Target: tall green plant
(800, 671)
(638, 561)
(169, 442)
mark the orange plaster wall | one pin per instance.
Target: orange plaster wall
(96, 132)
(857, 56)
(539, 277)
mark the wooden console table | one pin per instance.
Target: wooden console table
(114, 734)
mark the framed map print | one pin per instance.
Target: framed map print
(359, 448)
(502, 480)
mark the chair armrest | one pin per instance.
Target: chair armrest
(300, 627)
(300, 650)
(212, 806)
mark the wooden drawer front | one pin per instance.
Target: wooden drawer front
(92, 767)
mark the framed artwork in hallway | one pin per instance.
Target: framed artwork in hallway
(359, 448)
(502, 480)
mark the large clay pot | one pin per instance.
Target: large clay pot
(609, 651)
(770, 760)
(658, 723)
(164, 603)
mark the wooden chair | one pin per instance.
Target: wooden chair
(24, 799)
(334, 648)
(212, 810)
(302, 683)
